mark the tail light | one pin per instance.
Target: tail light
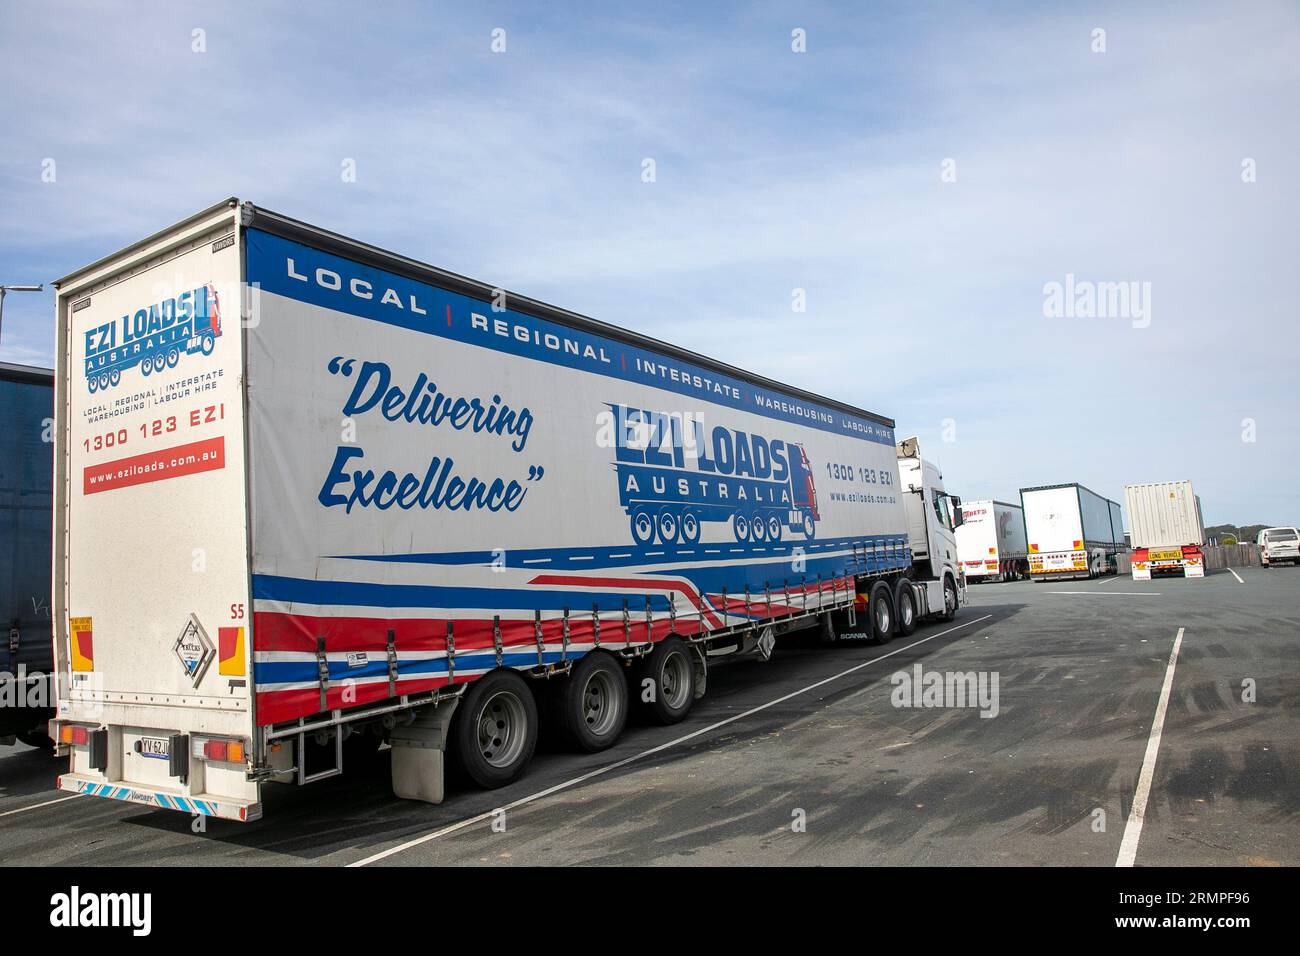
(217, 749)
(75, 734)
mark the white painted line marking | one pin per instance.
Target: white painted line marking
(1137, 814)
(535, 560)
(620, 555)
(37, 806)
(1108, 593)
(601, 771)
(1236, 575)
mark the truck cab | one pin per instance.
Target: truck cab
(933, 517)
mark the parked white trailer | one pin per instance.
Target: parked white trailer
(312, 496)
(1166, 528)
(991, 543)
(1072, 532)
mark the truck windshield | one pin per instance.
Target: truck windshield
(1284, 535)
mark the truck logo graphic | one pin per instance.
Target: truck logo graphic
(153, 338)
(674, 475)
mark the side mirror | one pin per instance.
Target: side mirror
(958, 519)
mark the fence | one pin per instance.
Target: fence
(1220, 556)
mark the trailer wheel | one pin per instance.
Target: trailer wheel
(114, 377)
(671, 673)
(495, 729)
(591, 703)
(670, 526)
(773, 527)
(690, 528)
(882, 614)
(92, 383)
(146, 367)
(35, 738)
(809, 525)
(643, 526)
(103, 380)
(905, 607)
(949, 599)
(740, 526)
(758, 528)
(173, 356)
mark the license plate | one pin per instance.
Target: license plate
(1175, 555)
(156, 747)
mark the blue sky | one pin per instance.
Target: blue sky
(775, 171)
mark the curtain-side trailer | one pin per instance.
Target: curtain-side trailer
(1167, 530)
(315, 496)
(991, 541)
(26, 456)
(1072, 532)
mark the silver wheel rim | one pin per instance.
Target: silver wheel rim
(949, 598)
(675, 680)
(601, 703)
(501, 728)
(906, 611)
(882, 617)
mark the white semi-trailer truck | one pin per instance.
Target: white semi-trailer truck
(1072, 532)
(1166, 529)
(991, 541)
(313, 496)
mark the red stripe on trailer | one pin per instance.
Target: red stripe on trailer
(640, 585)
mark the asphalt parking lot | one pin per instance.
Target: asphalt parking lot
(813, 737)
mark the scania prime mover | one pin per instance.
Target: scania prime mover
(1072, 532)
(991, 541)
(1166, 529)
(380, 502)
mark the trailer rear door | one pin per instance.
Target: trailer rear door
(151, 565)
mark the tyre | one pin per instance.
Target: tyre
(36, 738)
(643, 526)
(671, 673)
(103, 380)
(159, 361)
(740, 527)
(173, 356)
(758, 528)
(494, 729)
(207, 344)
(690, 528)
(809, 525)
(773, 527)
(92, 383)
(949, 599)
(590, 706)
(905, 608)
(146, 367)
(114, 377)
(882, 614)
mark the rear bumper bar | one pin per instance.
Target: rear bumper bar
(225, 808)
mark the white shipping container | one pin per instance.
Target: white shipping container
(1164, 514)
(991, 538)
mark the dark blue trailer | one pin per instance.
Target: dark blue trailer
(26, 476)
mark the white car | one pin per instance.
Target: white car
(1279, 544)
